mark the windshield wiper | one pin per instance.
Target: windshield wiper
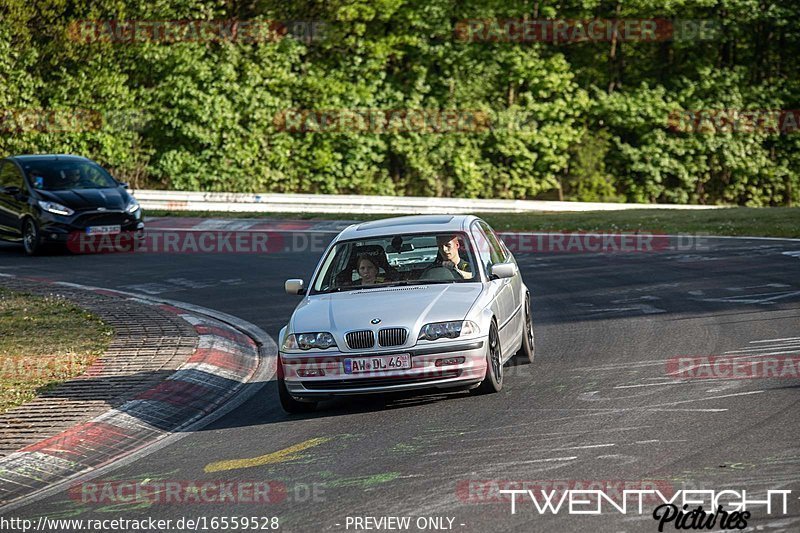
(410, 282)
(392, 284)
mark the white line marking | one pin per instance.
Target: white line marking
(651, 384)
(777, 340)
(775, 346)
(762, 354)
(619, 366)
(587, 446)
(774, 285)
(601, 410)
(548, 460)
(688, 410)
(748, 299)
(706, 398)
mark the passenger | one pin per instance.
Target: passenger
(449, 257)
(368, 270)
(71, 178)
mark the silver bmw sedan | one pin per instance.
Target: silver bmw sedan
(406, 303)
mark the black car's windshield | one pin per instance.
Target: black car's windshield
(66, 175)
(401, 259)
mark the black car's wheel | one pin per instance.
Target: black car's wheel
(31, 240)
(493, 379)
(527, 350)
(288, 402)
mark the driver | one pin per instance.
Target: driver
(71, 177)
(449, 257)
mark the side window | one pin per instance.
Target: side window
(93, 176)
(10, 176)
(486, 251)
(498, 252)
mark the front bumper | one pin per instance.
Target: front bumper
(66, 229)
(423, 374)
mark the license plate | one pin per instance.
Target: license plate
(377, 363)
(103, 230)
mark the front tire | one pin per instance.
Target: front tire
(289, 403)
(527, 350)
(31, 240)
(493, 379)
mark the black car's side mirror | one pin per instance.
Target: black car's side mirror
(124, 184)
(12, 191)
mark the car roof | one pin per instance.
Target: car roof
(407, 224)
(34, 158)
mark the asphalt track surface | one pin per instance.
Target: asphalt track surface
(595, 406)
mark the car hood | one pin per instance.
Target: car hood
(410, 306)
(79, 199)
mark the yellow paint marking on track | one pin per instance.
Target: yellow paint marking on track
(286, 454)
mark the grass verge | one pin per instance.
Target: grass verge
(734, 221)
(43, 342)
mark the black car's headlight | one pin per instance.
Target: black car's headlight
(448, 330)
(55, 208)
(133, 206)
(307, 341)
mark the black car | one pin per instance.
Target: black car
(49, 199)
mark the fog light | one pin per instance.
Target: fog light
(450, 361)
(310, 372)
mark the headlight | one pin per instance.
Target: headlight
(133, 206)
(307, 341)
(55, 208)
(448, 330)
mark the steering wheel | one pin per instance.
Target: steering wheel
(438, 273)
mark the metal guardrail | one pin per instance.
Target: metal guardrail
(347, 203)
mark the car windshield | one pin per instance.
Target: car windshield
(66, 175)
(402, 259)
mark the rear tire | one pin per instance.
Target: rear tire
(493, 379)
(527, 350)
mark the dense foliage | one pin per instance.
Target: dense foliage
(580, 120)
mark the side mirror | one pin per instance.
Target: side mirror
(294, 286)
(502, 270)
(124, 184)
